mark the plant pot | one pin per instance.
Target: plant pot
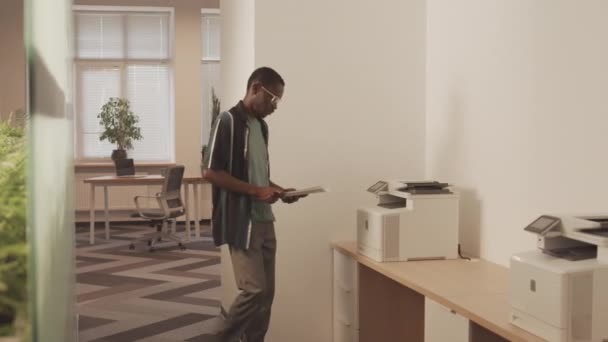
(119, 154)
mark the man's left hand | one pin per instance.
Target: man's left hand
(290, 199)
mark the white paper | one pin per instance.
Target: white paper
(306, 191)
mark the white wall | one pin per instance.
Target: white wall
(236, 65)
(238, 18)
(517, 113)
(353, 113)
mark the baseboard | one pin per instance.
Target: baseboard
(137, 222)
(117, 216)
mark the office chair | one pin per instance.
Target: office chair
(170, 207)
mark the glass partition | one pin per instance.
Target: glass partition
(48, 26)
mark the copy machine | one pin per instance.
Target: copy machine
(412, 221)
(560, 291)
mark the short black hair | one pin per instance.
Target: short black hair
(265, 75)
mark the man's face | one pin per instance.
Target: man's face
(266, 98)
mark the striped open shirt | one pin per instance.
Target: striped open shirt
(231, 218)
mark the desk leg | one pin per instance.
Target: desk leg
(92, 214)
(197, 219)
(188, 231)
(106, 211)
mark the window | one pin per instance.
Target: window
(210, 65)
(124, 52)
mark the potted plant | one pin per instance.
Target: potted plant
(215, 112)
(13, 245)
(120, 126)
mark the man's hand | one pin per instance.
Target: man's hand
(290, 199)
(268, 194)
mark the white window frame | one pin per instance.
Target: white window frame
(213, 11)
(206, 60)
(122, 63)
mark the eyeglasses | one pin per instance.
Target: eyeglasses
(275, 99)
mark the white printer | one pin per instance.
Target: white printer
(560, 291)
(412, 221)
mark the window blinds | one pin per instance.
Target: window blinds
(148, 89)
(210, 68)
(122, 35)
(95, 86)
(125, 55)
(211, 36)
(147, 36)
(99, 35)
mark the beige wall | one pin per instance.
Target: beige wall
(517, 113)
(352, 113)
(187, 78)
(12, 58)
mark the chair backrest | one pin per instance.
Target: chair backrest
(171, 192)
(173, 178)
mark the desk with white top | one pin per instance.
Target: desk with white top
(461, 300)
(108, 181)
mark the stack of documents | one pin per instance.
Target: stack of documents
(419, 188)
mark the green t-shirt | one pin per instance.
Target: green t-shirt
(258, 170)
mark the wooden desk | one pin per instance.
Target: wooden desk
(391, 297)
(108, 181)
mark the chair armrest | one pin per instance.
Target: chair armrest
(136, 197)
(140, 212)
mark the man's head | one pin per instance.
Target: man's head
(264, 91)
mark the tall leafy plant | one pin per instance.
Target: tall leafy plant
(120, 123)
(215, 112)
(13, 247)
(215, 106)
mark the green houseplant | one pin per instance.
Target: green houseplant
(13, 245)
(215, 112)
(120, 126)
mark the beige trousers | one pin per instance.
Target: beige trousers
(249, 315)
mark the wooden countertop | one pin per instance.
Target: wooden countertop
(477, 289)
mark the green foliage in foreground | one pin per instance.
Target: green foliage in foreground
(13, 246)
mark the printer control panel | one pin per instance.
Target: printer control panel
(543, 224)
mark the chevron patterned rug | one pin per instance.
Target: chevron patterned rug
(137, 295)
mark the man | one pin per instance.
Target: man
(237, 166)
